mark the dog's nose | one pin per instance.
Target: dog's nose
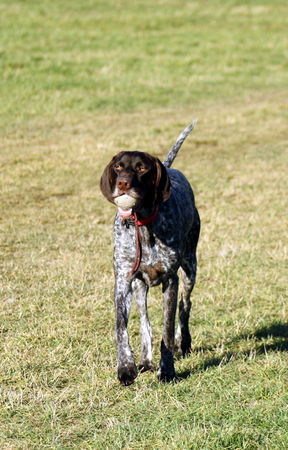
(124, 185)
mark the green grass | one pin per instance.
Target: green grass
(125, 56)
(79, 83)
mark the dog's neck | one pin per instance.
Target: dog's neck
(142, 217)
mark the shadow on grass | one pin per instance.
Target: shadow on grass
(277, 332)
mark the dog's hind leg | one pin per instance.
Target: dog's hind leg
(189, 266)
(183, 337)
(140, 291)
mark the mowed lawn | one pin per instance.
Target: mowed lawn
(81, 81)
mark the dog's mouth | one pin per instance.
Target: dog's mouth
(125, 201)
(130, 192)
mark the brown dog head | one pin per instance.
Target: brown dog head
(138, 175)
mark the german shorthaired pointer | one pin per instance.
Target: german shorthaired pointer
(156, 232)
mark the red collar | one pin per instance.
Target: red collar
(133, 219)
(141, 222)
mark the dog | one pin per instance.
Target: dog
(156, 232)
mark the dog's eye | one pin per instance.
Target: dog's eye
(141, 169)
(118, 167)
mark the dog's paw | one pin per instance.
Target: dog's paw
(145, 366)
(127, 374)
(167, 377)
(183, 346)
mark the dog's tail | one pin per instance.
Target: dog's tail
(172, 153)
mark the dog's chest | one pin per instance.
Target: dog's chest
(157, 261)
(159, 256)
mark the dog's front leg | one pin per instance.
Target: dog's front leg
(127, 370)
(170, 291)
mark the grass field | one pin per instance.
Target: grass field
(81, 81)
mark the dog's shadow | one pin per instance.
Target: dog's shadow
(276, 334)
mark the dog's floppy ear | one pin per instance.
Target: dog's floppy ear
(107, 182)
(162, 183)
